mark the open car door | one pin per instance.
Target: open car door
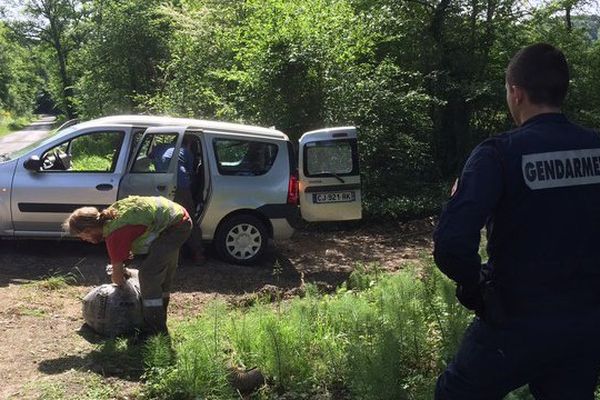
(329, 175)
(153, 169)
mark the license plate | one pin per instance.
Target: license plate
(334, 197)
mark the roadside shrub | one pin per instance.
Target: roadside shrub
(18, 123)
(386, 336)
(9, 123)
(423, 201)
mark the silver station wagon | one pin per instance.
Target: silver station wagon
(249, 183)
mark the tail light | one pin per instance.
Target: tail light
(292, 196)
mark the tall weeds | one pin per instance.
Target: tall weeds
(381, 336)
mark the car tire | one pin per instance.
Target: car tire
(241, 239)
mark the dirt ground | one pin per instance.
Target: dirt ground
(46, 352)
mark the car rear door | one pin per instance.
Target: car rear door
(329, 175)
(153, 169)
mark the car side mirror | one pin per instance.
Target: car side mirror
(33, 163)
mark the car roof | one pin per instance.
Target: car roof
(154, 120)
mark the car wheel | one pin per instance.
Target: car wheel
(241, 239)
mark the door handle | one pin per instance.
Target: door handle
(104, 187)
(161, 188)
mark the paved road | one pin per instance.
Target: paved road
(19, 139)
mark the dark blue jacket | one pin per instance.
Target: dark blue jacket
(537, 191)
(162, 155)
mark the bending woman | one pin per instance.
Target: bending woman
(151, 226)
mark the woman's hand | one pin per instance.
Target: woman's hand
(118, 274)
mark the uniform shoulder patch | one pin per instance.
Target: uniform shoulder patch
(561, 168)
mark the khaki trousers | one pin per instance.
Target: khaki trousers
(158, 268)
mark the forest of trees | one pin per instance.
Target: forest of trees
(422, 79)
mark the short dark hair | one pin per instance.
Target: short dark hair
(542, 71)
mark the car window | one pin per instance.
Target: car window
(91, 152)
(244, 157)
(155, 153)
(329, 157)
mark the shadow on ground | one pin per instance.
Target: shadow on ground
(28, 260)
(23, 261)
(112, 358)
(325, 258)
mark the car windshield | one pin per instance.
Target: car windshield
(18, 153)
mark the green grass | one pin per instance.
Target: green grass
(73, 386)
(117, 357)
(379, 337)
(32, 312)
(55, 281)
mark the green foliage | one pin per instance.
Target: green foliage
(199, 370)
(91, 163)
(364, 276)
(18, 80)
(120, 59)
(94, 152)
(422, 80)
(18, 123)
(391, 110)
(590, 24)
(54, 27)
(8, 123)
(298, 66)
(381, 336)
(424, 200)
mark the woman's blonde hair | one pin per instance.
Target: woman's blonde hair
(87, 218)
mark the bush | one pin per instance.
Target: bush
(425, 200)
(10, 123)
(18, 123)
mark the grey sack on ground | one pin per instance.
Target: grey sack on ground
(112, 310)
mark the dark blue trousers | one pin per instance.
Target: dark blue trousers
(558, 357)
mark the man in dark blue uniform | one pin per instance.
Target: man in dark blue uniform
(537, 299)
(162, 155)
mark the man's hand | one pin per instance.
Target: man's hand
(471, 298)
(118, 274)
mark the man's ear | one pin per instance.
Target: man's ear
(518, 94)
